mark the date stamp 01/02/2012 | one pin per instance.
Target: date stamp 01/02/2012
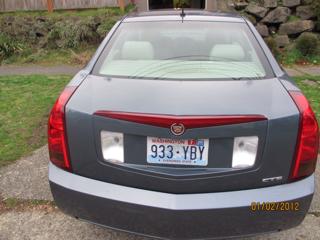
(274, 206)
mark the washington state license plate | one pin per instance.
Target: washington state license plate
(191, 152)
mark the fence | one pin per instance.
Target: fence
(16, 5)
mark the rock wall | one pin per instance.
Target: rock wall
(282, 19)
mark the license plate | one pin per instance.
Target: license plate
(192, 152)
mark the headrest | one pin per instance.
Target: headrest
(137, 50)
(232, 52)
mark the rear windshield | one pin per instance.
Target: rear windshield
(183, 50)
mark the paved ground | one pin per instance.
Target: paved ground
(72, 70)
(27, 179)
(42, 225)
(300, 70)
(35, 69)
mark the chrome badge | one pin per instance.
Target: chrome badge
(177, 129)
(272, 179)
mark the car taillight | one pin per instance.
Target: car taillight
(57, 136)
(308, 139)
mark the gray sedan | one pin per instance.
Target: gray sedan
(183, 126)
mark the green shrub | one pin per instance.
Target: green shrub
(105, 27)
(316, 7)
(63, 30)
(273, 46)
(71, 34)
(291, 55)
(8, 46)
(86, 30)
(181, 3)
(308, 44)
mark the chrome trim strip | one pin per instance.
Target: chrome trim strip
(285, 192)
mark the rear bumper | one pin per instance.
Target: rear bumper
(183, 216)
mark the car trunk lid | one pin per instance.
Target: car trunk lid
(196, 99)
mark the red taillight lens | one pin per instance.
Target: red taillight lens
(57, 137)
(308, 139)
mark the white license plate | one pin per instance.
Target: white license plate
(192, 152)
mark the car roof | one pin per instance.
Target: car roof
(175, 15)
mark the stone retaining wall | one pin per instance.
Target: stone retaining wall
(284, 19)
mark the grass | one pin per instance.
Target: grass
(25, 102)
(14, 202)
(293, 18)
(293, 56)
(20, 205)
(50, 57)
(311, 89)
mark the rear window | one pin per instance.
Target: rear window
(183, 50)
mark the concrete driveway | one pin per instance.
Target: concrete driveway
(27, 179)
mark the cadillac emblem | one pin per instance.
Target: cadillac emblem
(177, 129)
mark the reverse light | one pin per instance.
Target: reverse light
(244, 152)
(308, 139)
(57, 136)
(112, 146)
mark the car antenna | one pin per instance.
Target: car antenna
(182, 14)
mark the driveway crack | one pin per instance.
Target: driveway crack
(315, 213)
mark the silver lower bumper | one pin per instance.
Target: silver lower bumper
(233, 199)
(178, 216)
